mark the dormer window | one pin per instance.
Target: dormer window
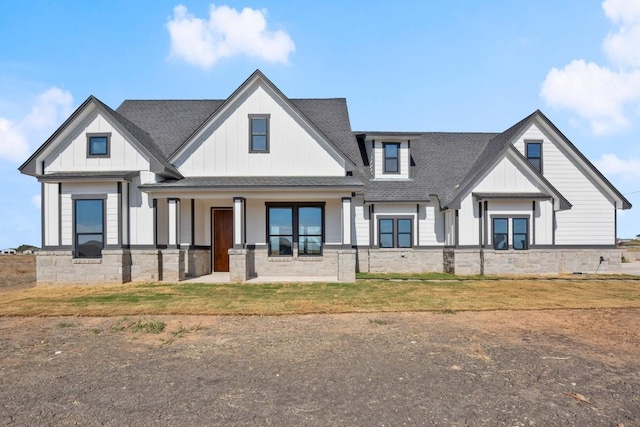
(391, 157)
(534, 154)
(98, 145)
(258, 133)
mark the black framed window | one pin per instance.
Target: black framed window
(259, 134)
(520, 233)
(500, 233)
(88, 228)
(98, 145)
(289, 223)
(391, 157)
(534, 154)
(395, 232)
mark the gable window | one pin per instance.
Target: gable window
(395, 232)
(534, 154)
(98, 145)
(88, 228)
(300, 223)
(258, 133)
(500, 233)
(520, 233)
(391, 157)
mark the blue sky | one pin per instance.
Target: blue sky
(407, 66)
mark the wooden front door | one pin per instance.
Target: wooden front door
(222, 238)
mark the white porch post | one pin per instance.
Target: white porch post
(238, 222)
(185, 223)
(174, 222)
(346, 222)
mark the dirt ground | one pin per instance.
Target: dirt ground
(526, 368)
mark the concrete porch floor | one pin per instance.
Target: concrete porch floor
(222, 277)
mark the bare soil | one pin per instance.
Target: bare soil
(500, 368)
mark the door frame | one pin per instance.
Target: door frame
(212, 231)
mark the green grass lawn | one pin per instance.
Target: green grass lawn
(380, 294)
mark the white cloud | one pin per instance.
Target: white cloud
(19, 137)
(602, 95)
(36, 200)
(228, 32)
(627, 169)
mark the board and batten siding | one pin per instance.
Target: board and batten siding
(71, 154)
(50, 207)
(378, 160)
(293, 149)
(360, 224)
(96, 188)
(431, 225)
(505, 177)
(591, 220)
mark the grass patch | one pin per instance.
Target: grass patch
(364, 296)
(66, 325)
(144, 325)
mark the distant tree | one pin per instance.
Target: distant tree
(23, 248)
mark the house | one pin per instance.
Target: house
(259, 184)
(8, 252)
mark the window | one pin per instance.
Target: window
(534, 154)
(391, 157)
(520, 233)
(500, 233)
(258, 134)
(89, 228)
(519, 237)
(98, 145)
(395, 233)
(295, 223)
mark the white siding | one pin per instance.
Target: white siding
(468, 222)
(293, 150)
(508, 209)
(506, 177)
(431, 225)
(450, 228)
(395, 210)
(141, 216)
(378, 160)
(51, 214)
(360, 225)
(591, 220)
(71, 154)
(96, 188)
(544, 222)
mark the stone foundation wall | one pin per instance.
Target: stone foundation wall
(551, 262)
(198, 262)
(468, 261)
(238, 271)
(146, 265)
(338, 263)
(173, 265)
(59, 267)
(400, 260)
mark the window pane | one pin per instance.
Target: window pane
(386, 240)
(391, 150)
(536, 163)
(500, 241)
(89, 245)
(500, 225)
(519, 241)
(386, 226)
(520, 225)
(89, 216)
(391, 165)
(281, 221)
(533, 150)
(259, 143)
(310, 220)
(98, 145)
(309, 245)
(259, 126)
(404, 240)
(280, 245)
(404, 226)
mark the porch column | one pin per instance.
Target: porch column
(185, 225)
(173, 218)
(238, 222)
(346, 222)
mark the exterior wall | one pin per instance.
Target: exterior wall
(51, 213)
(359, 224)
(265, 266)
(591, 220)
(141, 215)
(66, 209)
(399, 260)
(544, 222)
(431, 225)
(59, 267)
(378, 160)
(173, 266)
(449, 227)
(509, 209)
(294, 150)
(395, 210)
(552, 262)
(146, 265)
(71, 154)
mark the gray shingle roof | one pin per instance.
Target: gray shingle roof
(258, 182)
